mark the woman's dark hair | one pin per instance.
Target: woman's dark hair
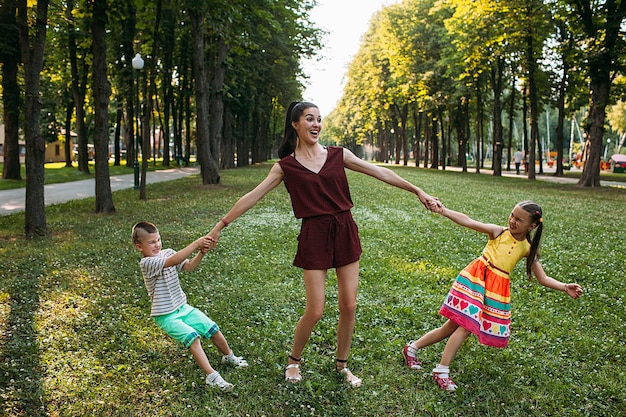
(536, 216)
(290, 138)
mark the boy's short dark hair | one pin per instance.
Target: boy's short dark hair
(141, 229)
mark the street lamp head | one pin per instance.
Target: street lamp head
(137, 62)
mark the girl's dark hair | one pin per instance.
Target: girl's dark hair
(536, 216)
(290, 137)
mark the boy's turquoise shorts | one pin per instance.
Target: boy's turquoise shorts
(186, 324)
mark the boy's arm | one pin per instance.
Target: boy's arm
(493, 230)
(194, 262)
(181, 255)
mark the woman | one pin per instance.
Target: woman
(315, 178)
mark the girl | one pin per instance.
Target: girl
(479, 301)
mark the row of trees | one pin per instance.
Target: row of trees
(435, 70)
(219, 72)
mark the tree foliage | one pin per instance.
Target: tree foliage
(216, 100)
(458, 66)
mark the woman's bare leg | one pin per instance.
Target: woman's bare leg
(315, 287)
(347, 286)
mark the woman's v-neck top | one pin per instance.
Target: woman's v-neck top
(315, 194)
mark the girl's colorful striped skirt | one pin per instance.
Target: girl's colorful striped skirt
(480, 301)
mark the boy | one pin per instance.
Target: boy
(170, 310)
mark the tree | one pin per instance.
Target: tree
(32, 30)
(209, 170)
(102, 92)
(600, 26)
(79, 71)
(10, 59)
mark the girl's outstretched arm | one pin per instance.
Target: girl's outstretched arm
(572, 289)
(493, 230)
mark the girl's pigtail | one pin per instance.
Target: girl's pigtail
(533, 254)
(537, 217)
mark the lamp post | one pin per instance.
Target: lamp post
(137, 65)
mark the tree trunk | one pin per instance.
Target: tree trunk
(11, 105)
(403, 137)
(561, 121)
(32, 43)
(146, 121)
(242, 148)
(208, 167)
(79, 85)
(10, 59)
(217, 98)
(511, 116)
(427, 135)
(525, 126)
(102, 92)
(434, 143)
(479, 127)
(442, 127)
(417, 124)
(169, 113)
(496, 85)
(460, 123)
(127, 76)
(397, 142)
(533, 107)
(69, 110)
(118, 131)
(227, 160)
(599, 86)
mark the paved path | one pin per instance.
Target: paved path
(12, 201)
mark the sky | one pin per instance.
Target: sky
(345, 21)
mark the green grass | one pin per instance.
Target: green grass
(57, 172)
(76, 339)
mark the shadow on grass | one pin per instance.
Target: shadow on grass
(21, 373)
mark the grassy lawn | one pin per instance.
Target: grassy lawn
(57, 172)
(76, 339)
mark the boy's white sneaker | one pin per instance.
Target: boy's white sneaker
(216, 380)
(237, 361)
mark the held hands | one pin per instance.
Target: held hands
(214, 235)
(573, 290)
(431, 203)
(435, 206)
(204, 244)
